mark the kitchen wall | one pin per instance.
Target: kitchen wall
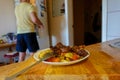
(7, 17)
(57, 26)
(7, 21)
(60, 26)
(59, 29)
(111, 19)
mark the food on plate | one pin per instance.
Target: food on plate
(42, 53)
(64, 53)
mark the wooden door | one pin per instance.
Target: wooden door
(78, 21)
(84, 12)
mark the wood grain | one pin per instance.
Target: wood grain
(7, 45)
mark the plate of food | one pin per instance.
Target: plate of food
(63, 55)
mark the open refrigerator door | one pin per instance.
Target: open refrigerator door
(42, 34)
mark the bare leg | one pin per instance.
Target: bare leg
(22, 56)
(32, 53)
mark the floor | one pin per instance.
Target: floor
(16, 60)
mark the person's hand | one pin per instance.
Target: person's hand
(41, 26)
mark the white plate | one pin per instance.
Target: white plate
(63, 63)
(36, 55)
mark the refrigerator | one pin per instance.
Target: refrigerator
(42, 34)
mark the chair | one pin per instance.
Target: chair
(11, 56)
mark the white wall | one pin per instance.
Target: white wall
(111, 20)
(104, 20)
(61, 26)
(7, 17)
(69, 20)
(7, 21)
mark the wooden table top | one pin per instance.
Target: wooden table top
(6, 45)
(102, 64)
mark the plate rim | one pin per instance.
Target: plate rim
(62, 63)
(35, 55)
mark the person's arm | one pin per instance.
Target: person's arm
(36, 20)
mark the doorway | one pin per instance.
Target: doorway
(87, 21)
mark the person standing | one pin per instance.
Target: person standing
(26, 16)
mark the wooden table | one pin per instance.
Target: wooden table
(102, 64)
(7, 45)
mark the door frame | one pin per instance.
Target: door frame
(104, 20)
(69, 20)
